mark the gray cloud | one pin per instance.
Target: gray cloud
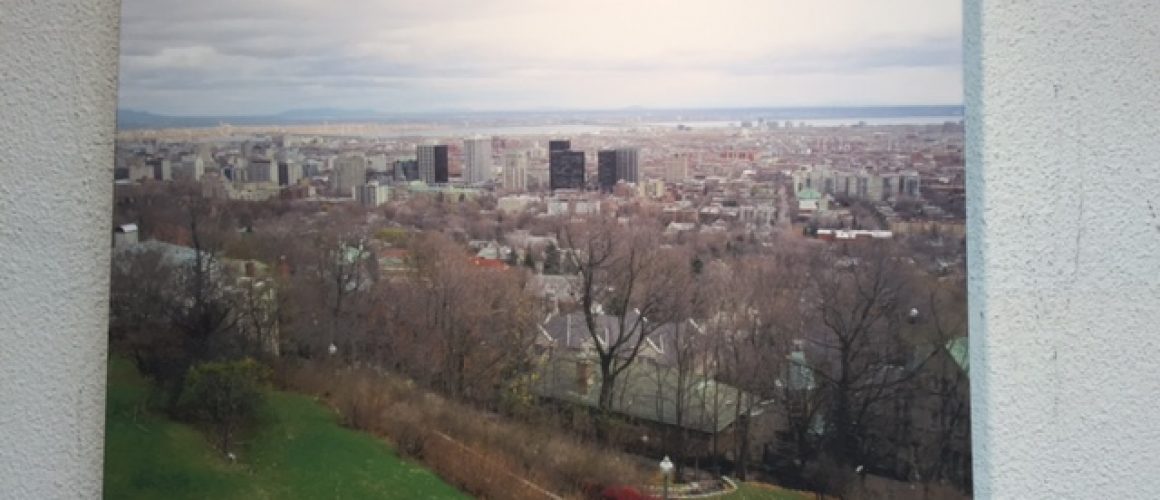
(257, 56)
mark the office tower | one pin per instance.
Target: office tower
(515, 170)
(566, 170)
(288, 173)
(372, 194)
(311, 168)
(677, 169)
(189, 168)
(606, 169)
(627, 164)
(350, 172)
(260, 170)
(559, 145)
(161, 169)
(248, 149)
(406, 170)
(140, 169)
(910, 184)
(377, 162)
(432, 164)
(615, 165)
(476, 160)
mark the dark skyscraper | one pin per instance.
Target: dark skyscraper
(283, 173)
(566, 170)
(441, 165)
(606, 167)
(406, 170)
(433, 164)
(627, 168)
(615, 165)
(559, 145)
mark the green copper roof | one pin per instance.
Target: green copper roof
(957, 348)
(809, 194)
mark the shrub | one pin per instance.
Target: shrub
(224, 396)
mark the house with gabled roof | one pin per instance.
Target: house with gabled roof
(648, 392)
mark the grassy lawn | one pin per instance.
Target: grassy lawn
(759, 491)
(300, 451)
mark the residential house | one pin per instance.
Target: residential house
(654, 394)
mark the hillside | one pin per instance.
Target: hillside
(300, 451)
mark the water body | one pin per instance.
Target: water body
(825, 122)
(511, 131)
(565, 130)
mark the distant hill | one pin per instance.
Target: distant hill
(134, 119)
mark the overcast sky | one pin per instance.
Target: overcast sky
(209, 57)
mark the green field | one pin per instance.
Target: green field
(755, 491)
(299, 451)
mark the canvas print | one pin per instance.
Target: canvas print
(519, 250)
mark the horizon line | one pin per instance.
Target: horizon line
(542, 110)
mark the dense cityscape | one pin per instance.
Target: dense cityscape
(754, 298)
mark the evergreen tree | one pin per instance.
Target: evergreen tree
(551, 260)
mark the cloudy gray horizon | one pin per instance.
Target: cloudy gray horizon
(216, 57)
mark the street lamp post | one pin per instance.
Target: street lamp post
(666, 471)
(331, 361)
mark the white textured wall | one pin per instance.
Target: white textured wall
(58, 67)
(1064, 186)
(1063, 163)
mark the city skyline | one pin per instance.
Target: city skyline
(268, 57)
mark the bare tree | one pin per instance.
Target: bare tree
(683, 342)
(335, 270)
(258, 306)
(142, 290)
(623, 272)
(754, 321)
(176, 295)
(205, 314)
(939, 401)
(458, 326)
(862, 359)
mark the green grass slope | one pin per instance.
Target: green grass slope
(759, 491)
(299, 451)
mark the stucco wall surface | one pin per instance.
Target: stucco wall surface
(1063, 127)
(58, 68)
(1064, 185)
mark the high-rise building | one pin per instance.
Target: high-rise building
(377, 162)
(350, 172)
(615, 165)
(372, 194)
(161, 169)
(559, 145)
(515, 170)
(677, 169)
(606, 167)
(406, 170)
(476, 160)
(311, 168)
(433, 165)
(627, 164)
(190, 168)
(566, 170)
(288, 173)
(260, 170)
(865, 185)
(248, 149)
